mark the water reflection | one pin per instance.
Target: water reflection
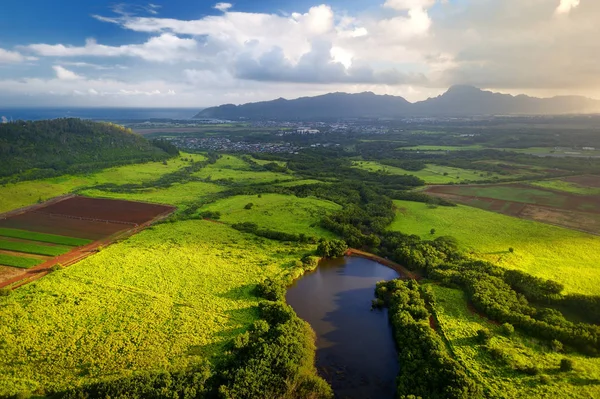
(355, 347)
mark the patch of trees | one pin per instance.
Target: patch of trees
(252, 228)
(426, 368)
(40, 149)
(332, 248)
(166, 146)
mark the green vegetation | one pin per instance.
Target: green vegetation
(42, 237)
(33, 248)
(136, 305)
(276, 211)
(426, 368)
(17, 261)
(555, 253)
(302, 182)
(495, 366)
(442, 148)
(566, 186)
(432, 174)
(31, 150)
(234, 170)
(13, 196)
(177, 194)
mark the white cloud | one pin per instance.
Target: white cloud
(65, 74)
(566, 6)
(12, 57)
(164, 48)
(223, 6)
(408, 4)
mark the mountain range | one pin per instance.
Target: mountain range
(459, 100)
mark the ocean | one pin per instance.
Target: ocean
(99, 114)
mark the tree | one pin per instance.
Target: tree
(432, 231)
(249, 205)
(566, 365)
(511, 250)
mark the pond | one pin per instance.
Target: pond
(355, 346)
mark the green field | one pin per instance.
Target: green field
(236, 170)
(459, 326)
(177, 194)
(442, 148)
(32, 248)
(284, 213)
(567, 256)
(566, 186)
(17, 261)
(165, 298)
(264, 162)
(42, 237)
(13, 196)
(432, 174)
(303, 182)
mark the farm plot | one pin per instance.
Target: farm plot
(562, 208)
(67, 230)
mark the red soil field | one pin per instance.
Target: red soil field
(586, 181)
(106, 209)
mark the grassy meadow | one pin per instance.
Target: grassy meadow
(285, 213)
(136, 306)
(567, 256)
(432, 174)
(237, 171)
(497, 377)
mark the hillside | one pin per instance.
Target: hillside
(46, 148)
(457, 101)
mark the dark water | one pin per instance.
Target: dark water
(105, 114)
(355, 346)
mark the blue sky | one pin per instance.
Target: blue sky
(201, 53)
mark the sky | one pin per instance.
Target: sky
(198, 53)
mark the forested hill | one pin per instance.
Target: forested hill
(457, 101)
(51, 147)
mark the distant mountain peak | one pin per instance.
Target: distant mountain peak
(458, 100)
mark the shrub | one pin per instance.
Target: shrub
(544, 379)
(249, 205)
(484, 336)
(56, 267)
(556, 345)
(527, 369)
(566, 365)
(5, 291)
(507, 329)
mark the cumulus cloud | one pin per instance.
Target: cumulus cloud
(566, 6)
(65, 74)
(223, 6)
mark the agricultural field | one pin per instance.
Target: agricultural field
(459, 326)
(18, 195)
(237, 171)
(57, 229)
(264, 162)
(432, 174)
(21, 262)
(178, 194)
(546, 251)
(567, 186)
(284, 213)
(561, 208)
(135, 306)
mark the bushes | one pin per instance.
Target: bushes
(507, 329)
(566, 365)
(484, 336)
(332, 249)
(5, 291)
